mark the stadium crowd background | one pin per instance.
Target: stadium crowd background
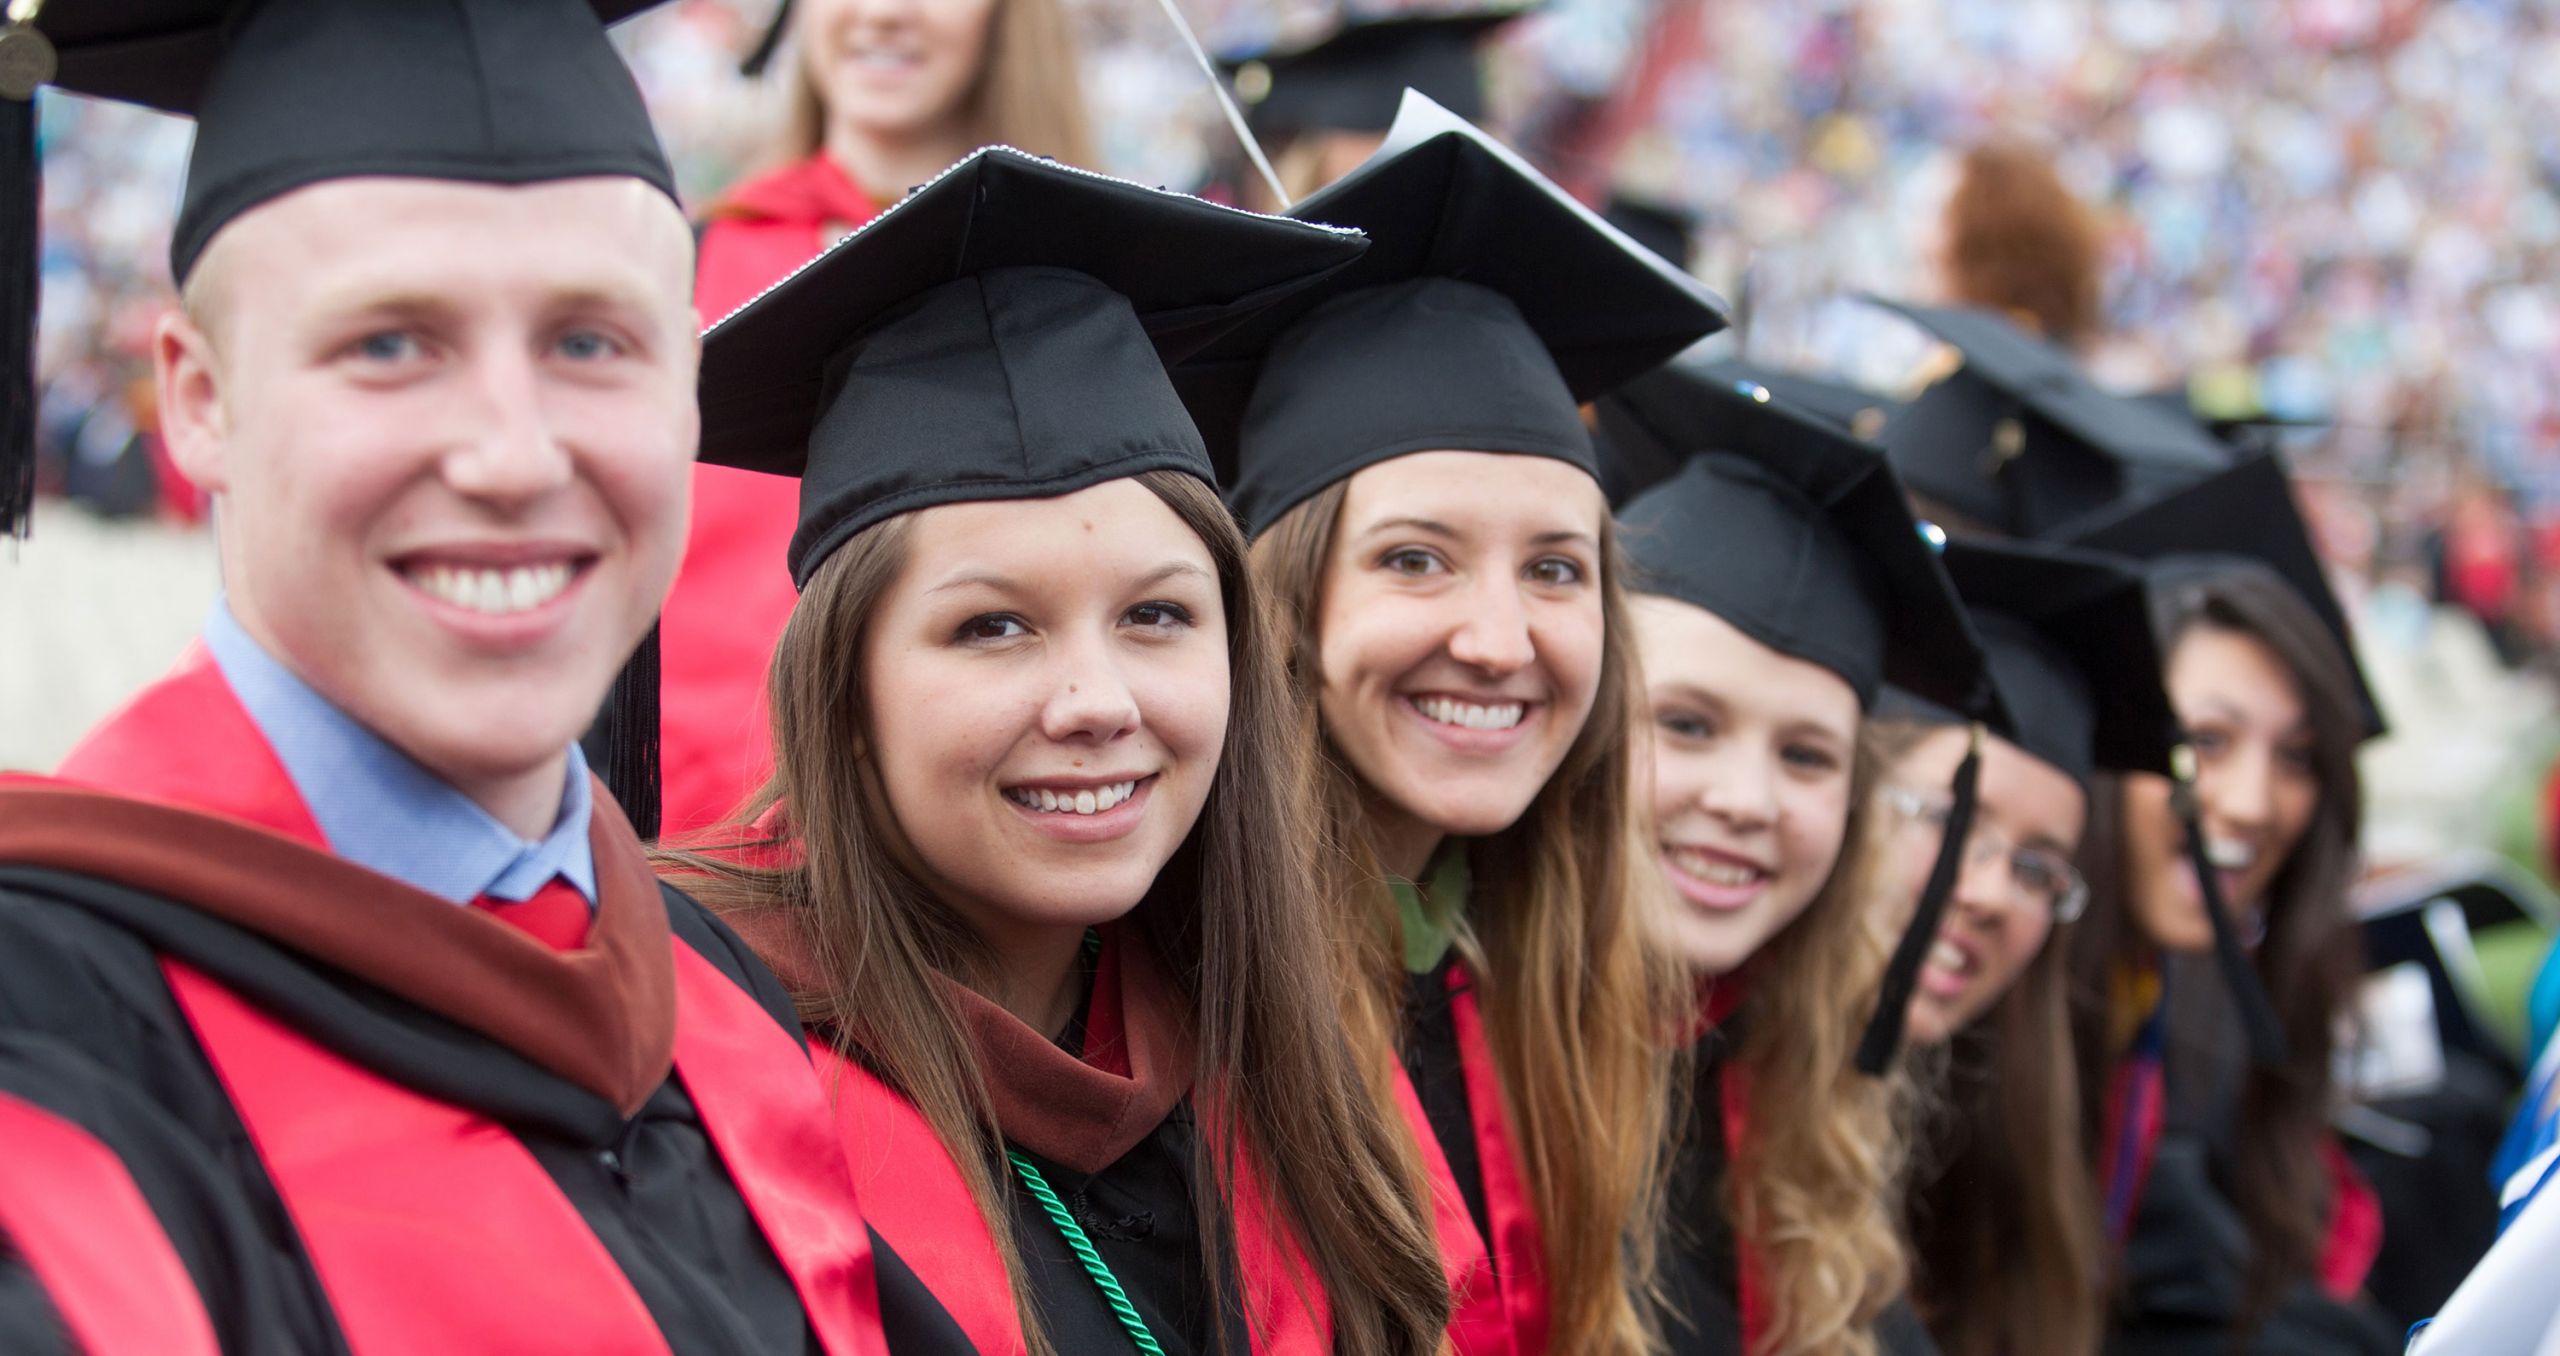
(2342, 212)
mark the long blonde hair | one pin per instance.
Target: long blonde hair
(1812, 1190)
(1231, 913)
(1557, 934)
(1028, 94)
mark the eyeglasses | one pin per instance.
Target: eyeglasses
(2039, 878)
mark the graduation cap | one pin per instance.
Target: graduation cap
(2247, 512)
(2021, 441)
(290, 93)
(1789, 529)
(1000, 333)
(2072, 654)
(1353, 78)
(1489, 308)
(1858, 411)
(1664, 228)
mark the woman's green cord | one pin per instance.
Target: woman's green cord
(1082, 1247)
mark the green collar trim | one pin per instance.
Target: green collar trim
(1432, 913)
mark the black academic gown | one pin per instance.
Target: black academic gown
(1701, 1259)
(193, 1206)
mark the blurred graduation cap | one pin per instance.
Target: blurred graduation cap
(2020, 441)
(2072, 654)
(1789, 529)
(2245, 511)
(1860, 412)
(291, 93)
(1489, 308)
(1665, 228)
(1000, 333)
(1353, 79)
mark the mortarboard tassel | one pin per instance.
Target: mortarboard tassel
(629, 731)
(26, 62)
(1893, 995)
(762, 55)
(2267, 1045)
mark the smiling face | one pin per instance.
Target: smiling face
(1752, 755)
(452, 441)
(895, 69)
(2256, 784)
(1461, 635)
(1992, 929)
(1052, 678)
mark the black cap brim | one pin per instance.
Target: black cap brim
(2091, 613)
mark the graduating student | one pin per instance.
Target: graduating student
(1035, 859)
(968, 73)
(2004, 1224)
(1423, 492)
(2017, 441)
(338, 897)
(2220, 945)
(1780, 580)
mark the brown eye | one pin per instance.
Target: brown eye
(1555, 571)
(991, 626)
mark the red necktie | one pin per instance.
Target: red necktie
(557, 915)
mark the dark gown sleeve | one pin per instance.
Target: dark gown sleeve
(28, 1324)
(1700, 1268)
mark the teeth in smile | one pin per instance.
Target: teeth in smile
(1950, 957)
(2228, 855)
(1713, 870)
(1468, 715)
(495, 592)
(1090, 801)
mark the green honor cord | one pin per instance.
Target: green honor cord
(1082, 1247)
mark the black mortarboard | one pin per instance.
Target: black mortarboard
(2019, 440)
(1000, 333)
(1861, 412)
(1665, 228)
(2069, 638)
(1489, 307)
(1353, 78)
(2245, 511)
(1792, 531)
(290, 93)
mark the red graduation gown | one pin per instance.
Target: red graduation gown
(717, 633)
(455, 1138)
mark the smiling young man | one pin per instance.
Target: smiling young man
(338, 896)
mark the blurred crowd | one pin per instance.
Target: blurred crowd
(2338, 212)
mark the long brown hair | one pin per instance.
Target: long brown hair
(2003, 1220)
(1233, 913)
(1557, 934)
(1028, 94)
(1810, 1191)
(2310, 959)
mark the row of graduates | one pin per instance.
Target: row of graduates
(1464, 885)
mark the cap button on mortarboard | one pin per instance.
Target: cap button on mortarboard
(26, 55)
(1934, 535)
(1253, 82)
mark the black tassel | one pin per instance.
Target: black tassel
(2267, 1045)
(1893, 996)
(762, 56)
(21, 180)
(629, 729)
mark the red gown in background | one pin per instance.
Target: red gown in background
(717, 634)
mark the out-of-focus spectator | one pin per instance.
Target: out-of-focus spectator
(2015, 240)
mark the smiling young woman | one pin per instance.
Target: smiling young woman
(883, 95)
(1035, 859)
(2239, 1217)
(1781, 580)
(1411, 457)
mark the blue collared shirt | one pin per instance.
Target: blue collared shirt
(378, 808)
